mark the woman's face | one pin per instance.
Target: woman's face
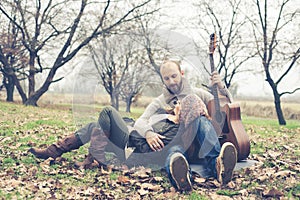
(177, 109)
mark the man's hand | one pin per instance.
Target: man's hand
(216, 79)
(154, 140)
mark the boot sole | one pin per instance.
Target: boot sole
(226, 163)
(179, 169)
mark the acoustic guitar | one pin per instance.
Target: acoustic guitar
(226, 115)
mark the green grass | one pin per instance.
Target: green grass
(294, 191)
(195, 196)
(51, 122)
(8, 162)
(227, 193)
(250, 120)
(114, 176)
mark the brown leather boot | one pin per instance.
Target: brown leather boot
(96, 156)
(67, 144)
(88, 163)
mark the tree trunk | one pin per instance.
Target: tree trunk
(10, 87)
(113, 100)
(31, 77)
(128, 105)
(279, 112)
(117, 102)
(31, 101)
(35, 96)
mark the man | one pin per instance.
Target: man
(176, 88)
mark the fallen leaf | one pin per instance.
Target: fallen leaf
(231, 185)
(263, 178)
(143, 192)
(123, 179)
(284, 173)
(158, 178)
(146, 185)
(200, 180)
(273, 193)
(155, 188)
(244, 192)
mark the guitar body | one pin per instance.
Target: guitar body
(231, 129)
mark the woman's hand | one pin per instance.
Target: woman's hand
(154, 140)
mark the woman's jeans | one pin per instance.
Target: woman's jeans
(208, 151)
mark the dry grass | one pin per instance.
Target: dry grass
(266, 109)
(256, 108)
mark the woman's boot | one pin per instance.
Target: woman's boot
(88, 163)
(99, 141)
(55, 150)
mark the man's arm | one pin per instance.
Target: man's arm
(144, 126)
(216, 79)
(207, 96)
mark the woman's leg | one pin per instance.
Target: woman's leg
(111, 134)
(114, 126)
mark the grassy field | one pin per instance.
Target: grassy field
(276, 176)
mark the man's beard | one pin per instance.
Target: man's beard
(175, 88)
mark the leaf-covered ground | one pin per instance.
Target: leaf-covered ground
(25, 177)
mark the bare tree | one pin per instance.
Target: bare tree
(277, 45)
(120, 68)
(136, 78)
(147, 35)
(227, 22)
(12, 59)
(111, 62)
(59, 29)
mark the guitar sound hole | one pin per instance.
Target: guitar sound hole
(225, 127)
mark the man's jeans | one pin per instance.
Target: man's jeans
(209, 148)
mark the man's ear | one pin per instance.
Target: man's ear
(182, 72)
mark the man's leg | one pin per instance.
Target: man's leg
(178, 169)
(219, 162)
(226, 162)
(71, 142)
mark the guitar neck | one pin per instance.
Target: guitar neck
(214, 89)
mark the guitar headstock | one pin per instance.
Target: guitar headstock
(212, 43)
